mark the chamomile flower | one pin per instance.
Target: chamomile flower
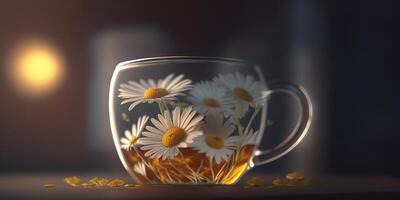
(208, 97)
(169, 133)
(243, 90)
(132, 136)
(164, 90)
(216, 141)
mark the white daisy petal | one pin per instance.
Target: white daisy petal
(175, 81)
(153, 132)
(144, 83)
(133, 105)
(166, 81)
(152, 83)
(125, 141)
(158, 125)
(176, 116)
(168, 119)
(137, 85)
(128, 134)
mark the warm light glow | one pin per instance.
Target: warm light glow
(37, 69)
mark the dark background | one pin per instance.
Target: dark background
(352, 74)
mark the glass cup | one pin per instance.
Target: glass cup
(195, 120)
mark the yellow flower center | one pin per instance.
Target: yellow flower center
(133, 140)
(243, 94)
(214, 141)
(208, 101)
(152, 93)
(173, 136)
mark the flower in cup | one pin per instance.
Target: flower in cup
(132, 136)
(170, 133)
(140, 168)
(243, 90)
(216, 142)
(209, 97)
(164, 90)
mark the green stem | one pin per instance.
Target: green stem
(165, 106)
(162, 110)
(256, 110)
(239, 126)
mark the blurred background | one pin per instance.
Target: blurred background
(57, 58)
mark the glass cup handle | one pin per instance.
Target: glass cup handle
(303, 123)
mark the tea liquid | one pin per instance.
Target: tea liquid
(189, 167)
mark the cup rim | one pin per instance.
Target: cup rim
(179, 59)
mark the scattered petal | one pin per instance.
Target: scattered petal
(130, 185)
(73, 180)
(98, 181)
(116, 183)
(278, 182)
(87, 185)
(125, 117)
(293, 182)
(294, 175)
(74, 185)
(255, 181)
(49, 185)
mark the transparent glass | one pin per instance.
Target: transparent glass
(195, 120)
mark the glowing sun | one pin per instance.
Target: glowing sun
(36, 69)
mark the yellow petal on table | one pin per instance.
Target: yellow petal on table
(278, 182)
(294, 175)
(131, 185)
(87, 185)
(73, 180)
(99, 181)
(254, 181)
(294, 182)
(49, 185)
(116, 183)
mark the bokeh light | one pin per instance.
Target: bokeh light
(37, 69)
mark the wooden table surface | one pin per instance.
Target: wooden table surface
(30, 186)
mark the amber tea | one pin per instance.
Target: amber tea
(193, 167)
